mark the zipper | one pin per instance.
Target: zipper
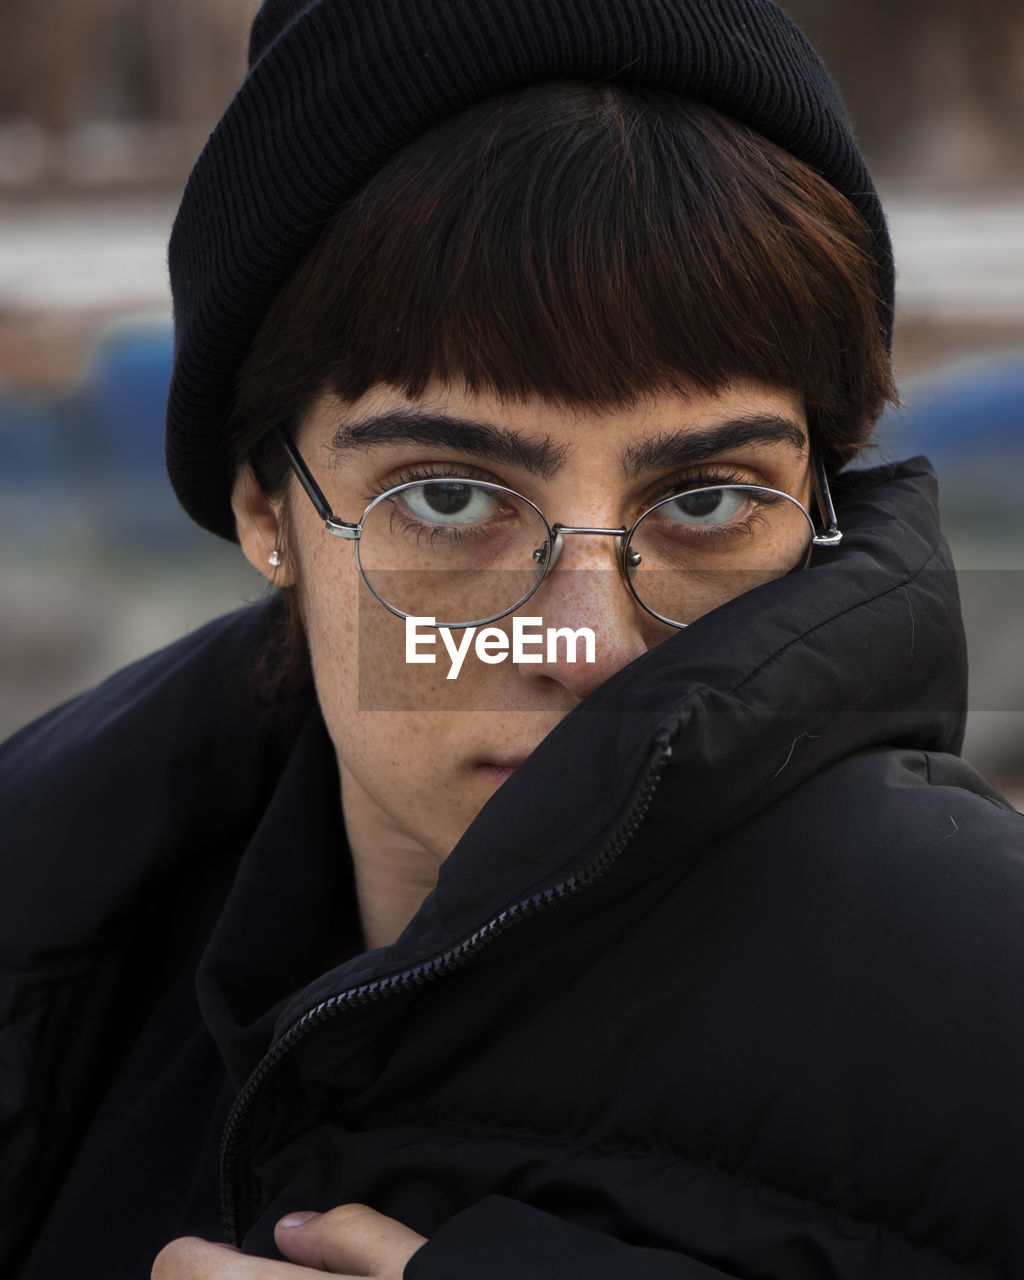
(237, 1200)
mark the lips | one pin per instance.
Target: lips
(499, 770)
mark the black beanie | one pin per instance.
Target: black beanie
(336, 87)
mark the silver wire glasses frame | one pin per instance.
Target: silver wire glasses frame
(545, 556)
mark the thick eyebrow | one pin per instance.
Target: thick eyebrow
(538, 454)
(671, 449)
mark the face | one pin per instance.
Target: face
(408, 761)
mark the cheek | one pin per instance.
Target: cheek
(367, 661)
(329, 594)
(411, 762)
(359, 654)
(390, 721)
(357, 650)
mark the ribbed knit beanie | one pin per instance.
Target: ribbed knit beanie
(337, 87)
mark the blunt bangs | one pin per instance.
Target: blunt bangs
(590, 244)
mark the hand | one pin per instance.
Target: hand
(350, 1241)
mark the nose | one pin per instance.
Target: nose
(584, 592)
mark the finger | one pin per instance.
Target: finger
(191, 1259)
(352, 1239)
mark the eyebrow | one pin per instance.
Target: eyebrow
(541, 456)
(537, 454)
(676, 449)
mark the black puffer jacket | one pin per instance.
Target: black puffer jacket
(724, 981)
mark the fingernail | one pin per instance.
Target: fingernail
(292, 1220)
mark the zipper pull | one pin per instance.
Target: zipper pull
(662, 752)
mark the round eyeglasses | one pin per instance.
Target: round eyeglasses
(473, 551)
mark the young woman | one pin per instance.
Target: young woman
(653, 929)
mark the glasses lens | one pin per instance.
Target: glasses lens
(696, 550)
(458, 550)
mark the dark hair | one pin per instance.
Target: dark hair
(588, 243)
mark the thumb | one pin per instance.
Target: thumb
(352, 1240)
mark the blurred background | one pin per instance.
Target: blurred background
(104, 105)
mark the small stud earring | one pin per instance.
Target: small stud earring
(274, 559)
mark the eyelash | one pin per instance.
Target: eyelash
(701, 478)
(438, 471)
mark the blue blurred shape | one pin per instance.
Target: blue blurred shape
(119, 413)
(93, 460)
(968, 418)
(124, 394)
(968, 408)
(33, 446)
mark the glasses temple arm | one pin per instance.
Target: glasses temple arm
(313, 491)
(832, 535)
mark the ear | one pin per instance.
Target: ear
(259, 529)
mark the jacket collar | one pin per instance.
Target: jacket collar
(863, 649)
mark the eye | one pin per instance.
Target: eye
(449, 502)
(705, 507)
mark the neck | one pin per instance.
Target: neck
(393, 872)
